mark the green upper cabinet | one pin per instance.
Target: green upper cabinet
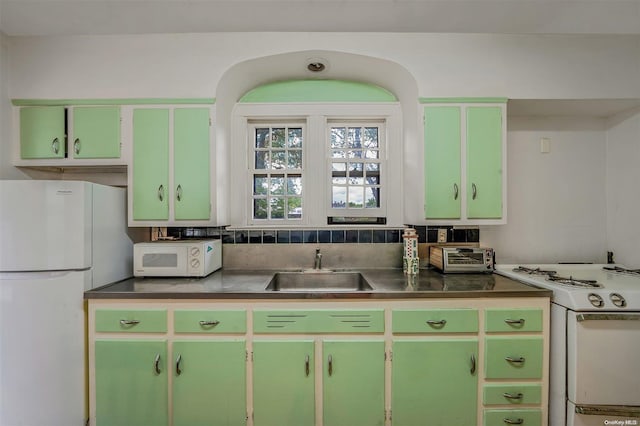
(484, 162)
(434, 382)
(131, 382)
(353, 382)
(464, 162)
(42, 132)
(191, 163)
(209, 383)
(442, 162)
(96, 132)
(151, 164)
(283, 383)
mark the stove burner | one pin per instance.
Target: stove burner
(622, 270)
(575, 282)
(531, 271)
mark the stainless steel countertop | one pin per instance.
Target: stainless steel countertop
(386, 283)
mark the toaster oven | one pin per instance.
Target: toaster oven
(461, 259)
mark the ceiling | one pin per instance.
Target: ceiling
(76, 17)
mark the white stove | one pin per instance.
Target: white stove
(595, 341)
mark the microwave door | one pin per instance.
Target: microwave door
(165, 261)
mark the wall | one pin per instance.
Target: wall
(623, 197)
(555, 203)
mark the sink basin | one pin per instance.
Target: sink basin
(318, 281)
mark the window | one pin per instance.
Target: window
(277, 171)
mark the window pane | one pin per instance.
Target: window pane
(354, 137)
(294, 208)
(295, 159)
(371, 137)
(356, 181)
(371, 154)
(262, 138)
(372, 197)
(295, 138)
(356, 169)
(339, 167)
(339, 197)
(373, 167)
(277, 185)
(277, 208)
(262, 160)
(356, 197)
(277, 138)
(260, 208)
(278, 160)
(294, 185)
(373, 180)
(338, 154)
(260, 185)
(339, 180)
(356, 153)
(337, 137)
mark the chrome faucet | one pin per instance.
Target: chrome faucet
(318, 260)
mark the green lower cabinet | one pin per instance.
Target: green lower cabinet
(434, 382)
(131, 382)
(209, 383)
(509, 357)
(525, 417)
(283, 383)
(353, 383)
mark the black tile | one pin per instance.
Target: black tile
(365, 235)
(268, 237)
(242, 237)
(379, 236)
(473, 235)
(324, 236)
(255, 237)
(351, 236)
(310, 236)
(213, 233)
(393, 236)
(228, 237)
(460, 235)
(283, 237)
(337, 236)
(422, 233)
(296, 237)
(432, 235)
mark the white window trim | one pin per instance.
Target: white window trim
(316, 180)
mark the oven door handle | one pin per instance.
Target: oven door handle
(609, 410)
(607, 317)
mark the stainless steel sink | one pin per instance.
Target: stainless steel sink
(315, 281)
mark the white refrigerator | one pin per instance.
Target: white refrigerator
(57, 239)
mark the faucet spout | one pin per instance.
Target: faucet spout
(318, 260)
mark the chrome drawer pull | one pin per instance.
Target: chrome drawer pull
(76, 146)
(512, 396)
(518, 360)
(178, 361)
(156, 365)
(515, 321)
(513, 422)
(129, 322)
(455, 191)
(474, 190)
(161, 193)
(55, 146)
(209, 323)
(330, 370)
(306, 365)
(473, 364)
(439, 323)
(179, 193)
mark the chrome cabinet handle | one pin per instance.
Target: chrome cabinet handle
(55, 146)
(76, 146)
(161, 193)
(156, 365)
(330, 365)
(178, 361)
(474, 191)
(179, 193)
(438, 323)
(473, 364)
(306, 365)
(515, 321)
(513, 360)
(513, 422)
(455, 191)
(512, 396)
(129, 322)
(209, 323)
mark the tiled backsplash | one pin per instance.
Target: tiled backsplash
(426, 234)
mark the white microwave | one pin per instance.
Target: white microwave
(185, 258)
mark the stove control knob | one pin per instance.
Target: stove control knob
(618, 300)
(195, 251)
(596, 300)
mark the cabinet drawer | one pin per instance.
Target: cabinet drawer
(532, 417)
(131, 321)
(435, 321)
(318, 321)
(513, 320)
(512, 393)
(210, 321)
(513, 357)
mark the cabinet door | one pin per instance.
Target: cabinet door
(442, 162)
(131, 382)
(42, 132)
(191, 163)
(434, 381)
(209, 383)
(283, 383)
(484, 162)
(96, 132)
(353, 383)
(151, 164)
